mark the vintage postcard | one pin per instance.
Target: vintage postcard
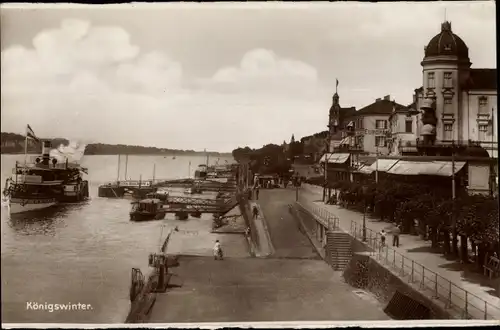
(249, 164)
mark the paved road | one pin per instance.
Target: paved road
(288, 241)
(293, 284)
(255, 289)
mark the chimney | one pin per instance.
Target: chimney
(46, 152)
(378, 100)
(387, 97)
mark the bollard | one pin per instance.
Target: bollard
(485, 310)
(386, 255)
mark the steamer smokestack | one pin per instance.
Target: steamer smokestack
(46, 153)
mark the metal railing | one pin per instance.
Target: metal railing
(326, 218)
(468, 305)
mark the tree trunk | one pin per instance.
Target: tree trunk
(454, 243)
(434, 237)
(446, 242)
(464, 253)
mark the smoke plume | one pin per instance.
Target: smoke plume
(73, 152)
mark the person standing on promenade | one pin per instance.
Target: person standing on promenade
(218, 255)
(395, 236)
(382, 238)
(255, 212)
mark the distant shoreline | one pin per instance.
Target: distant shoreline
(181, 154)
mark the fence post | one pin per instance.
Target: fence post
(403, 266)
(436, 286)
(386, 254)
(485, 310)
(423, 278)
(394, 258)
(466, 305)
(412, 270)
(371, 240)
(449, 296)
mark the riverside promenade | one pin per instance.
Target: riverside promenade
(449, 283)
(289, 282)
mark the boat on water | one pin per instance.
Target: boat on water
(201, 172)
(44, 182)
(147, 209)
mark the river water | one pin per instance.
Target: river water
(82, 253)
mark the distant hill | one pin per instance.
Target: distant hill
(12, 143)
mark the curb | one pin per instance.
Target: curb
(266, 229)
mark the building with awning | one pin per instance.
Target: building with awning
(439, 168)
(334, 158)
(383, 165)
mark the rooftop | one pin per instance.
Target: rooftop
(380, 107)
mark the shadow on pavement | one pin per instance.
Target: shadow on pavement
(470, 274)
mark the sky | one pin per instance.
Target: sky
(216, 75)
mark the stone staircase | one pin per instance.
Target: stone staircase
(338, 249)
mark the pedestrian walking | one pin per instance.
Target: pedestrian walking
(382, 237)
(218, 255)
(395, 236)
(255, 212)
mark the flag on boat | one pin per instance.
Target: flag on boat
(30, 134)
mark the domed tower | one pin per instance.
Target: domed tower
(446, 67)
(334, 115)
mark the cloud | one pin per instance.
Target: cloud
(263, 71)
(92, 83)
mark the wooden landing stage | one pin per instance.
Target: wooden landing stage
(205, 185)
(179, 204)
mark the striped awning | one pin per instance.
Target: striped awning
(335, 158)
(383, 165)
(439, 168)
(365, 169)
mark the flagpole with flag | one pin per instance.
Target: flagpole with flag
(31, 135)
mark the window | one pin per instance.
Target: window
(430, 80)
(359, 141)
(447, 82)
(447, 101)
(448, 132)
(483, 130)
(483, 104)
(381, 124)
(380, 141)
(409, 126)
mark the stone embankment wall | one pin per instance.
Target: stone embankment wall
(364, 272)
